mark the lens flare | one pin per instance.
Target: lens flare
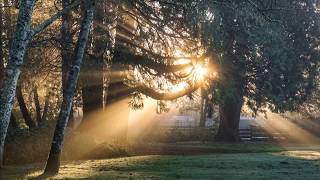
(200, 72)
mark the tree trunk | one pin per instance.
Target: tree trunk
(5, 28)
(229, 112)
(46, 106)
(209, 108)
(13, 121)
(203, 109)
(8, 22)
(37, 105)
(92, 96)
(12, 70)
(66, 47)
(8, 27)
(1, 46)
(24, 109)
(53, 161)
(94, 91)
(66, 43)
(70, 121)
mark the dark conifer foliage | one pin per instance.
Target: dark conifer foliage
(263, 55)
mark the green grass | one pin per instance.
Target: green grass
(300, 164)
(198, 148)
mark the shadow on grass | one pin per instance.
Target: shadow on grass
(196, 149)
(302, 164)
(286, 165)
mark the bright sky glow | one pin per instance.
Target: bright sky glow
(179, 87)
(200, 72)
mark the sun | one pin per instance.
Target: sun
(200, 72)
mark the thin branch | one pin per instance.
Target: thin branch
(53, 18)
(166, 95)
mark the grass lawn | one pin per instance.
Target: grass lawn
(299, 164)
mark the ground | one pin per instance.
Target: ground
(301, 163)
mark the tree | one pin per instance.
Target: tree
(53, 162)
(266, 61)
(141, 44)
(21, 39)
(311, 107)
(23, 108)
(12, 71)
(1, 44)
(95, 87)
(253, 42)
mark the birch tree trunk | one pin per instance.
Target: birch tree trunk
(13, 68)
(7, 16)
(21, 39)
(53, 161)
(66, 46)
(66, 43)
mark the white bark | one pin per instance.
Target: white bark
(21, 39)
(12, 71)
(53, 162)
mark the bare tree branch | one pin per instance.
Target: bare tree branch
(53, 18)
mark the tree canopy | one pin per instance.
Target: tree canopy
(253, 53)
